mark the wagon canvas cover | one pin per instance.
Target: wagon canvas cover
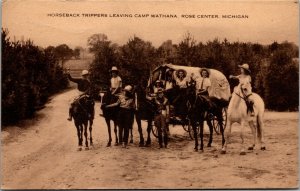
(219, 83)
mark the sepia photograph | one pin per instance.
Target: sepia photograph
(150, 94)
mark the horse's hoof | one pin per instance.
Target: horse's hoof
(116, 144)
(263, 148)
(208, 145)
(223, 152)
(195, 149)
(131, 141)
(242, 153)
(108, 144)
(79, 149)
(250, 148)
(86, 148)
(141, 145)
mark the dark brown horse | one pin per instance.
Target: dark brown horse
(203, 109)
(145, 110)
(110, 114)
(83, 111)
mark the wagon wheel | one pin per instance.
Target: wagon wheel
(154, 130)
(191, 131)
(216, 124)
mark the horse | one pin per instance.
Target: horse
(238, 111)
(110, 114)
(204, 109)
(145, 110)
(83, 111)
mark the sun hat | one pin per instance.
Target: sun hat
(114, 68)
(128, 88)
(245, 67)
(84, 72)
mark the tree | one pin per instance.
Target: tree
(138, 58)
(77, 51)
(187, 51)
(282, 82)
(106, 56)
(63, 53)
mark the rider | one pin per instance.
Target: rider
(83, 86)
(126, 113)
(180, 78)
(153, 91)
(115, 81)
(244, 77)
(202, 85)
(162, 117)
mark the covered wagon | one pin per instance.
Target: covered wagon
(219, 84)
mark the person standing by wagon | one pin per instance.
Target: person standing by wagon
(126, 113)
(161, 118)
(115, 81)
(181, 83)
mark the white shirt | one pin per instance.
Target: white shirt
(116, 82)
(169, 85)
(244, 78)
(206, 83)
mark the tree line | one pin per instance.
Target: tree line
(30, 74)
(275, 67)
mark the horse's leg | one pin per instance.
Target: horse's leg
(91, 128)
(222, 130)
(210, 132)
(149, 127)
(253, 130)
(78, 135)
(81, 135)
(260, 132)
(139, 124)
(228, 134)
(116, 133)
(86, 136)
(201, 135)
(194, 126)
(131, 135)
(109, 132)
(242, 138)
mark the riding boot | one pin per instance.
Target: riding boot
(70, 114)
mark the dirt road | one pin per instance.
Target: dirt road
(45, 156)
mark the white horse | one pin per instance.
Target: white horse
(237, 112)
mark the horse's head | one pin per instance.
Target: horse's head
(86, 101)
(191, 90)
(246, 89)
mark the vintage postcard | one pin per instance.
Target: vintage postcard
(149, 94)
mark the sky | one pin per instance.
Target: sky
(267, 21)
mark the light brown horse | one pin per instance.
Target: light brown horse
(239, 112)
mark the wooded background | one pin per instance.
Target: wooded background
(30, 74)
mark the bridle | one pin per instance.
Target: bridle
(244, 96)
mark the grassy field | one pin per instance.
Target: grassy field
(76, 66)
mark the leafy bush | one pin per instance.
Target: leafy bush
(29, 76)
